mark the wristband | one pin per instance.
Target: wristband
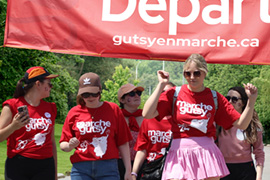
(135, 174)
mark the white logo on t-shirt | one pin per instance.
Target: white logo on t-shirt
(93, 126)
(100, 145)
(157, 136)
(200, 109)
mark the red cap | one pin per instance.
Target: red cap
(36, 73)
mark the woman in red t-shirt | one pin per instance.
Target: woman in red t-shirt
(129, 97)
(98, 131)
(30, 133)
(193, 153)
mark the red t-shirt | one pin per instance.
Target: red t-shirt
(194, 112)
(99, 137)
(34, 139)
(154, 137)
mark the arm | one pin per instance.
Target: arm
(9, 125)
(258, 151)
(150, 106)
(246, 116)
(259, 170)
(138, 161)
(125, 154)
(54, 153)
(68, 146)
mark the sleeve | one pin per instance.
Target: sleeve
(11, 104)
(165, 101)
(226, 115)
(54, 110)
(67, 132)
(123, 134)
(142, 139)
(258, 149)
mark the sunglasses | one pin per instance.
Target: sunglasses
(195, 73)
(133, 93)
(233, 98)
(87, 95)
(50, 85)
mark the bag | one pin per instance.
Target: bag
(153, 170)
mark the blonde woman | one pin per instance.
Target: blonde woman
(193, 153)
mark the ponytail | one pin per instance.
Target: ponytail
(22, 88)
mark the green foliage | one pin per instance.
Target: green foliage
(223, 76)
(120, 77)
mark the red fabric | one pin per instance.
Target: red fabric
(222, 31)
(195, 114)
(132, 122)
(34, 139)
(99, 137)
(154, 137)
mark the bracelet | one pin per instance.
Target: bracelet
(135, 174)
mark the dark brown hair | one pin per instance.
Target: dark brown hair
(22, 88)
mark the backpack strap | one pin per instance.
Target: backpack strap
(214, 93)
(176, 92)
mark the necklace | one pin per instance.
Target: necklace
(96, 110)
(93, 115)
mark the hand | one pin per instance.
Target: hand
(128, 176)
(73, 142)
(163, 76)
(251, 91)
(20, 120)
(133, 177)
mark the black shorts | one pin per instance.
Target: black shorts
(23, 168)
(241, 171)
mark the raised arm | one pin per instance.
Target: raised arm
(246, 116)
(150, 106)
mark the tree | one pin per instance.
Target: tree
(119, 78)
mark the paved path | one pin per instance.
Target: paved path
(266, 171)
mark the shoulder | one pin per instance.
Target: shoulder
(112, 105)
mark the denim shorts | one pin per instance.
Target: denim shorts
(95, 170)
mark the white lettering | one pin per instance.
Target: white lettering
(106, 11)
(264, 11)
(175, 18)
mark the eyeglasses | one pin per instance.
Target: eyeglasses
(87, 95)
(133, 93)
(233, 98)
(195, 74)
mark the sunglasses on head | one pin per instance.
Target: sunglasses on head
(87, 95)
(195, 73)
(133, 93)
(233, 98)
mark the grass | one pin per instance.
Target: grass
(63, 165)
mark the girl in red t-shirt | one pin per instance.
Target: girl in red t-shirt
(30, 134)
(98, 131)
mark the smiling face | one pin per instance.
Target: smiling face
(194, 77)
(132, 100)
(238, 105)
(91, 99)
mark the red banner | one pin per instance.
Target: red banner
(223, 31)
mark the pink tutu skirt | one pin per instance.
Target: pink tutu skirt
(194, 158)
